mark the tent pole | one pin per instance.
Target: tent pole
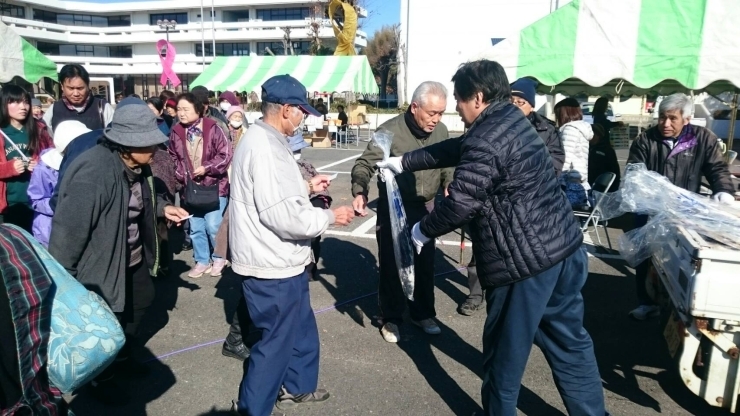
(733, 117)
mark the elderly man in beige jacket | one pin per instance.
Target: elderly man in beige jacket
(272, 224)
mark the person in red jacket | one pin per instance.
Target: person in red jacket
(22, 140)
(202, 154)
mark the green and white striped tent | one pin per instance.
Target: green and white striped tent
(317, 73)
(628, 47)
(19, 59)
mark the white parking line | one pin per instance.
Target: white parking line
(365, 227)
(590, 248)
(338, 162)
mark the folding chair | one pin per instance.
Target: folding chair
(593, 216)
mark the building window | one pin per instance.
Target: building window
(224, 49)
(80, 19)
(293, 13)
(12, 10)
(56, 49)
(233, 16)
(299, 47)
(180, 18)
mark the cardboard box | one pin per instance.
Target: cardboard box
(357, 114)
(321, 142)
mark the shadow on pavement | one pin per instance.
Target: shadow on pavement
(142, 391)
(356, 274)
(623, 344)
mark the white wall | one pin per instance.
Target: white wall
(442, 34)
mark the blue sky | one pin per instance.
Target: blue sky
(382, 12)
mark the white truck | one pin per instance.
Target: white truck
(700, 299)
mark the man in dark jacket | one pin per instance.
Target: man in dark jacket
(522, 96)
(602, 158)
(78, 102)
(525, 238)
(683, 153)
(419, 127)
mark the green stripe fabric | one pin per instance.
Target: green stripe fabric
(317, 73)
(669, 41)
(547, 47)
(36, 65)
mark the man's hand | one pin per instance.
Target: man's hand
(343, 215)
(320, 183)
(393, 163)
(175, 214)
(418, 238)
(360, 205)
(200, 171)
(18, 166)
(32, 165)
(723, 198)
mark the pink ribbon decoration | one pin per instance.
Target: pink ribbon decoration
(167, 61)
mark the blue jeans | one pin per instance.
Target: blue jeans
(203, 230)
(547, 310)
(287, 353)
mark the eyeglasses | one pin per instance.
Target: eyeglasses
(519, 103)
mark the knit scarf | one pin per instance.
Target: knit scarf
(193, 130)
(72, 107)
(416, 131)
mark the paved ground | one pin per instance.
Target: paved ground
(421, 375)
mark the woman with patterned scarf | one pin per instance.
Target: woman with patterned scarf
(202, 153)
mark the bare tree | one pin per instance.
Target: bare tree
(315, 23)
(382, 54)
(287, 42)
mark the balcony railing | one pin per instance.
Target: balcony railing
(253, 30)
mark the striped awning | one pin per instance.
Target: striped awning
(628, 47)
(18, 58)
(317, 73)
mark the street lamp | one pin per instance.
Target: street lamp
(166, 25)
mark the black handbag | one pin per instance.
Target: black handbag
(201, 198)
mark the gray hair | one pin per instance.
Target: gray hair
(269, 109)
(678, 101)
(426, 88)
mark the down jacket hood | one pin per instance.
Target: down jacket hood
(578, 127)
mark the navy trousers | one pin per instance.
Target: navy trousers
(287, 353)
(547, 310)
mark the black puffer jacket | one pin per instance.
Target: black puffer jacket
(550, 135)
(702, 156)
(520, 221)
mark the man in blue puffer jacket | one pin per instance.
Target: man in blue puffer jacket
(526, 241)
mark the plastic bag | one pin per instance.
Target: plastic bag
(650, 193)
(403, 248)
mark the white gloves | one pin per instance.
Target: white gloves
(723, 198)
(418, 237)
(393, 163)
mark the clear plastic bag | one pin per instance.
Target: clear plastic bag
(650, 193)
(403, 248)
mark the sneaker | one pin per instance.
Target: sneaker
(288, 401)
(199, 270)
(469, 307)
(240, 352)
(218, 267)
(643, 312)
(429, 326)
(109, 392)
(236, 412)
(389, 331)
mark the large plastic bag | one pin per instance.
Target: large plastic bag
(403, 248)
(650, 193)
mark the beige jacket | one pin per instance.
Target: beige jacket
(272, 220)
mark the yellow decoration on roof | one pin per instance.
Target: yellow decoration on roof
(345, 34)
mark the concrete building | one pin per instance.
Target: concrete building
(117, 38)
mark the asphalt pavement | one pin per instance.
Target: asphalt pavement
(422, 374)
